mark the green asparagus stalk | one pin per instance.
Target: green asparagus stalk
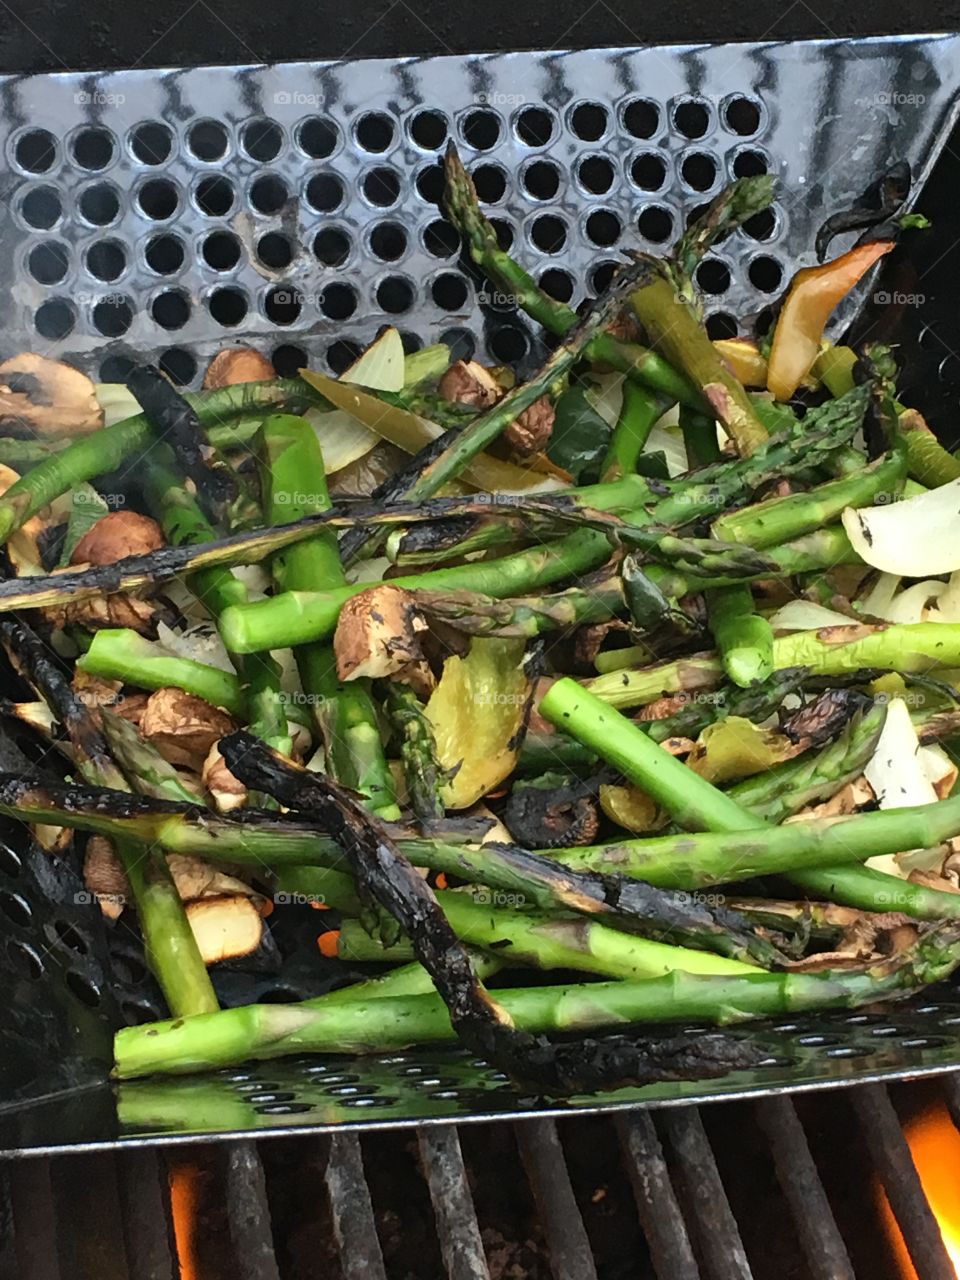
(646, 367)
(780, 519)
(927, 460)
(525, 615)
(418, 752)
(141, 762)
(699, 437)
(362, 1026)
(640, 410)
(121, 654)
(734, 205)
(870, 890)
(673, 327)
(294, 485)
(744, 639)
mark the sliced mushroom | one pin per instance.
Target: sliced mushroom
(195, 879)
(235, 365)
(104, 877)
(226, 791)
(378, 635)
(116, 535)
(44, 397)
(225, 928)
(531, 429)
(468, 382)
(183, 727)
(97, 612)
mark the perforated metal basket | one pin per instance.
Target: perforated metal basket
(163, 214)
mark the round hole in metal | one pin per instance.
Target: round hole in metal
(429, 183)
(48, 262)
(428, 129)
(221, 250)
(374, 131)
(449, 291)
(54, 319)
(283, 305)
(99, 205)
(71, 937)
(228, 306)
(40, 208)
(762, 225)
(106, 260)
(342, 353)
(275, 250)
(16, 908)
(481, 130)
(381, 187)
(338, 301)
(461, 342)
(324, 192)
(24, 959)
(549, 233)
(207, 140)
(765, 274)
(558, 284)
(179, 365)
(151, 142)
(83, 988)
(93, 149)
(171, 309)
(268, 193)
(603, 227)
(158, 199)
(721, 325)
(509, 343)
(749, 164)
(504, 233)
(214, 196)
(441, 239)
(164, 255)
(317, 137)
(699, 171)
(10, 863)
(541, 180)
(692, 119)
(395, 295)
(36, 151)
(648, 171)
(388, 241)
(490, 182)
(641, 118)
(742, 116)
(595, 174)
(288, 360)
(713, 276)
(261, 139)
(655, 224)
(332, 246)
(113, 315)
(535, 126)
(136, 1012)
(588, 120)
(601, 277)
(284, 1108)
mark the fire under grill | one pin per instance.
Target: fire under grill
(774, 1190)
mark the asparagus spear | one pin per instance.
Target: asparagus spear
(121, 654)
(640, 410)
(417, 751)
(646, 367)
(269, 1031)
(294, 485)
(870, 890)
(744, 639)
(479, 614)
(171, 949)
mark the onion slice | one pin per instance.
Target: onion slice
(916, 538)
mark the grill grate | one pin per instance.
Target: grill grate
(130, 190)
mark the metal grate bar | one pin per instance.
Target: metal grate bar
(660, 1216)
(457, 1227)
(891, 1156)
(571, 1257)
(353, 1222)
(34, 1221)
(706, 1200)
(146, 1225)
(820, 1238)
(248, 1213)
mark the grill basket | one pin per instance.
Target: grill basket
(165, 214)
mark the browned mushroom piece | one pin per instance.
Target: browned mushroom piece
(225, 927)
(116, 535)
(235, 365)
(468, 382)
(104, 876)
(226, 791)
(378, 635)
(183, 727)
(44, 397)
(532, 429)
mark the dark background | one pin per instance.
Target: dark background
(77, 35)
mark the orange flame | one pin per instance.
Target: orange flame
(184, 1209)
(934, 1143)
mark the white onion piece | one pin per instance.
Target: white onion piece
(897, 775)
(806, 615)
(916, 538)
(381, 366)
